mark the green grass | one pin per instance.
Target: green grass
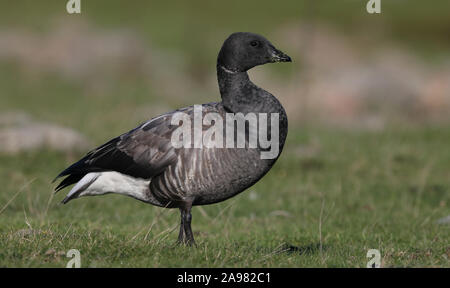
(357, 191)
(332, 196)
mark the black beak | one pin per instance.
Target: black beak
(278, 56)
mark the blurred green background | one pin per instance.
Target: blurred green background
(366, 160)
(348, 64)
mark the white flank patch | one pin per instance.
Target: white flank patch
(110, 182)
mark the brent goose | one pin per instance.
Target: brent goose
(145, 164)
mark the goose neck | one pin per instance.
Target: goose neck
(234, 87)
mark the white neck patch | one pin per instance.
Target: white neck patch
(228, 70)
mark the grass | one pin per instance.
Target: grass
(332, 196)
(358, 191)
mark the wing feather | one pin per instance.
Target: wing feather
(143, 153)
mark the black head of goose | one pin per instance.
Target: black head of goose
(197, 155)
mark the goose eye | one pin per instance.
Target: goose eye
(254, 43)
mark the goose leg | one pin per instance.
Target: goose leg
(185, 235)
(181, 235)
(187, 227)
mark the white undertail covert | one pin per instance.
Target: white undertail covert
(100, 183)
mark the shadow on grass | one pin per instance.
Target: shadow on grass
(310, 249)
(287, 248)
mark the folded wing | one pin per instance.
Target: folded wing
(143, 152)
